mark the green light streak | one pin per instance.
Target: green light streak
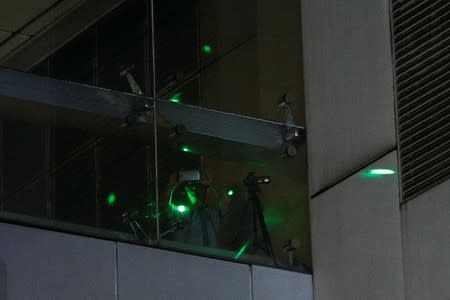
(186, 149)
(176, 98)
(230, 193)
(207, 49)
(242, 250)
(382, 172)
(378, 172)
(111, 199)
(191, 195)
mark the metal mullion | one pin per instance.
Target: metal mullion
(2, 167)
(151, 23)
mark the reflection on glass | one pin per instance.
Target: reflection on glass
(229, 199)
(218, 54)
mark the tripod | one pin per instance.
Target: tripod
(259, 224)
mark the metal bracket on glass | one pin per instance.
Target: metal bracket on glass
(140, 113)
(177, 130)
(230, 127)
(134, 86)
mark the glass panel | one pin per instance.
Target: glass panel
(76, 61)
(88, 158)
(126, 185)
(211, 204)
(24, 162)
(175, 43)
(246, 56)
(122, 38)
(86, 166)
(75, 188)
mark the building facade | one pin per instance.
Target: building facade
(343, 106)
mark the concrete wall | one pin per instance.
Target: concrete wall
(348, 86)
(356, 240)
(426, 244)
(271, 284)
(38, 264)
(365, 245)
(350, 121)
(144, 271)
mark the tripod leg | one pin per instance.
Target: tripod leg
(255, 224)
(141, 230)
(133, 229)
(243, 230)
(264, 232)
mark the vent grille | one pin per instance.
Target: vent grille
(421, 34)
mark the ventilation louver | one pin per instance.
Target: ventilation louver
(421, 30)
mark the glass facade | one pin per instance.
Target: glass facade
(210, 181)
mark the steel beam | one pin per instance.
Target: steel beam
(34, 98)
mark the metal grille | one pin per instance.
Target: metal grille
(421, 34)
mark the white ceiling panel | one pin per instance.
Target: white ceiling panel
(16, 13)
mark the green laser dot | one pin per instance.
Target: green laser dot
(378, 173)
(381, 171)
(111, 199)
(186, 149)
(181, 208)
(230, 193)
(207, 49)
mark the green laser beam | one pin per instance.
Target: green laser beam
(242, 250)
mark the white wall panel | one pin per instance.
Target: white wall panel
(270, 284)
(146, 273)
(43, 265)
(348, 86)
(356, 239)
(426, 244)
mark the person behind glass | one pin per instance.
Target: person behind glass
(191, 203)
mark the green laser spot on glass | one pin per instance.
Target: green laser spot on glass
(176, 98)
(181, 208)
(186, 149)
(111, 199)
(207, 49)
